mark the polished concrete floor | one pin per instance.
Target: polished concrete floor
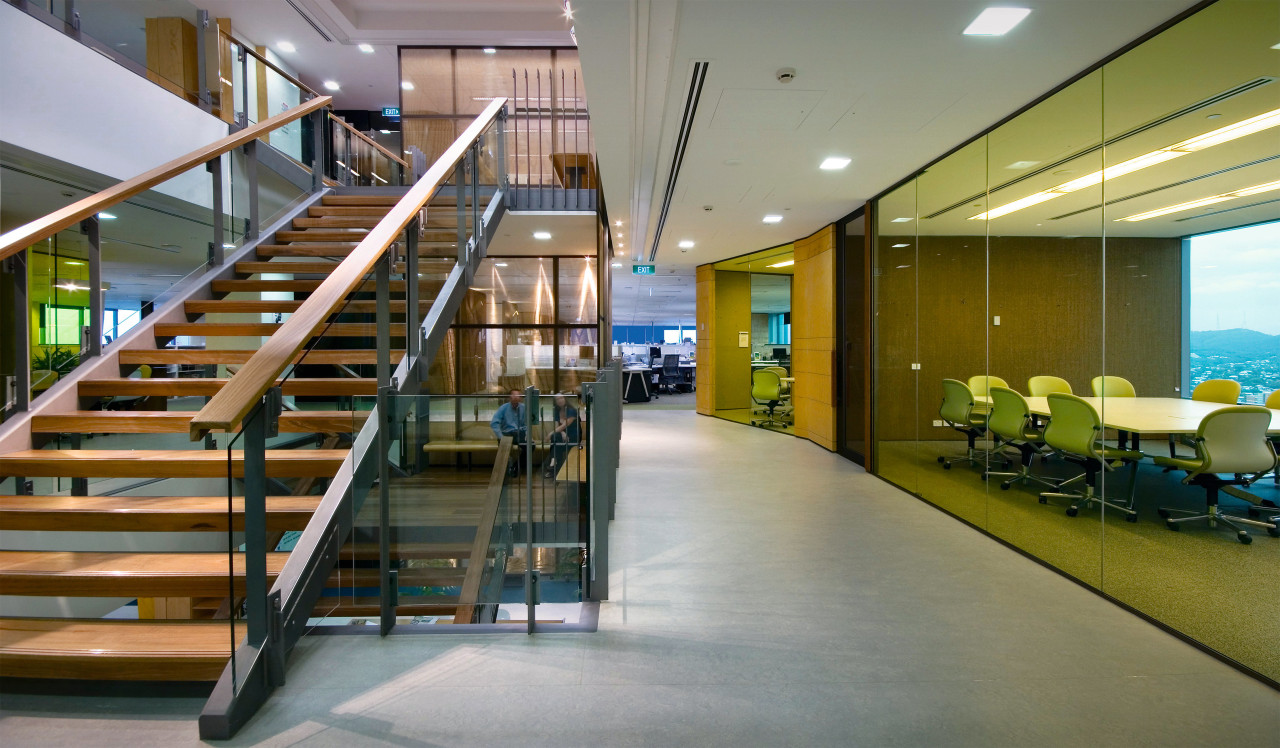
(764, 592)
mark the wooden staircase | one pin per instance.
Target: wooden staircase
(193, 586)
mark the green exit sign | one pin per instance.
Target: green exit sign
(390, 111)
(644, 269)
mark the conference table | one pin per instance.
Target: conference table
(1144, 415)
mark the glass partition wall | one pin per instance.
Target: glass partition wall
(1056, 247)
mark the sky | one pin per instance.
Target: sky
(1235, 279)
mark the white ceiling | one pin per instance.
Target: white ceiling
(891, 84)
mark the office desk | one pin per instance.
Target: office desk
(635, 384)
(1144, 415)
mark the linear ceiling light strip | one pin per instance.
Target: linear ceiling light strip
(310, 22)
(1211, 101)
(1171, 185)
(1226, 134)
(1256, 189)
(682, 142)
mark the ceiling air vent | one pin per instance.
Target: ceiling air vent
(310, 22)
(682, 141)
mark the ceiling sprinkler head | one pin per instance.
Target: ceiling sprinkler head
(786, 75)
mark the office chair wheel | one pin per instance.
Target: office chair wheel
(1131, 518)
(1005, 485)
(1274, 532)
(946, 466)
(1072, 510)
(1172, 525)
(942, 460)
(1043, 500)
(1243, 537)
(986, 476)
(1164, 513)
(1253, 512)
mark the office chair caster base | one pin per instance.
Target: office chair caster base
(946, 466)
(1073, 511)
(1243, 537)
(1172, 525)
(1004, 486)
(1131, 517)
(1043, 500)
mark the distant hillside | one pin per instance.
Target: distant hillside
(1237, 343)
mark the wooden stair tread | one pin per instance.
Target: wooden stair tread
(173, 422)
(260, 329)
(290, 285)
(361, 200)
(319, 267)
(199, 356)
(147, 513)
(435, 220)
(319, 211)
(425, 249)
(334, 386)
(114, 574)
(285, 306)
(353, 235)
(93, 649)
(158, 463)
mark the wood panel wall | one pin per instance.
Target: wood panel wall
(732, 362)
(705, 319)
(813, 338)
(1062, 312)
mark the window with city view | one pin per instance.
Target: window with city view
(1235, 326)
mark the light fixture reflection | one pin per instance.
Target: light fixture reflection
(1243, 192)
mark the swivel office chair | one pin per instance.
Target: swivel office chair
(957, 411)
(781, 372)
(1075, 432)
(1231, 441)
(980, 384)
(670, 372)
(1113, 386)
(1010, 422)
(766, 392)
(1045, 385)
(1225, 391)
(1273, 402)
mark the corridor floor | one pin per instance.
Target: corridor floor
(764, 592)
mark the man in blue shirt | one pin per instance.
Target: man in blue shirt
(509, 421)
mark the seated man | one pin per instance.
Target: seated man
(509, 421)
(565, 435)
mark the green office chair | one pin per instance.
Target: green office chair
(980, 385)
(1273, 402)
(766, 392)
(957, 411)
(1225, 391)
(1045, 385)
(781, 372)
(1075, 432)
(1111, 386)
(1231, 441)
(1010, 421)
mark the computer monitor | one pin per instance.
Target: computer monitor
(780, 354)
(655, 354)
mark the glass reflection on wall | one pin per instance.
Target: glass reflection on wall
(1089, 281)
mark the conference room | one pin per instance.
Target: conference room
(1064, 307)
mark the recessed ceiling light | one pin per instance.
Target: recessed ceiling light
(286, 47)
(996, 21)
(499, 264)
(107, 216)
(834, 163)
(686, 244)
(897, 246)
(542, 235)
(385, 132)
(366, 48)
(617, 223)
(490, 51)
(1022, 164)
(406, 85)
(900, 220)
(783, 264)
(332, 85)
(619, 234)
(617, 264)
(773, 219)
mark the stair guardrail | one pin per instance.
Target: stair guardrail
(277, 613)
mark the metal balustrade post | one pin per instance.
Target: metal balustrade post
(261, 423)
(243, 119)
(216, 253)
(91, 227)
(251, 176)
(386, 392)
(20, 334)
(202, 64)
(460, 196)
(475, 200)
(500, 132)
(531, 420)
(411, 312)
(318, 121)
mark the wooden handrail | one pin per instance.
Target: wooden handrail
(371, 142)
(40, 229)
(227, 409)
(484, 534)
